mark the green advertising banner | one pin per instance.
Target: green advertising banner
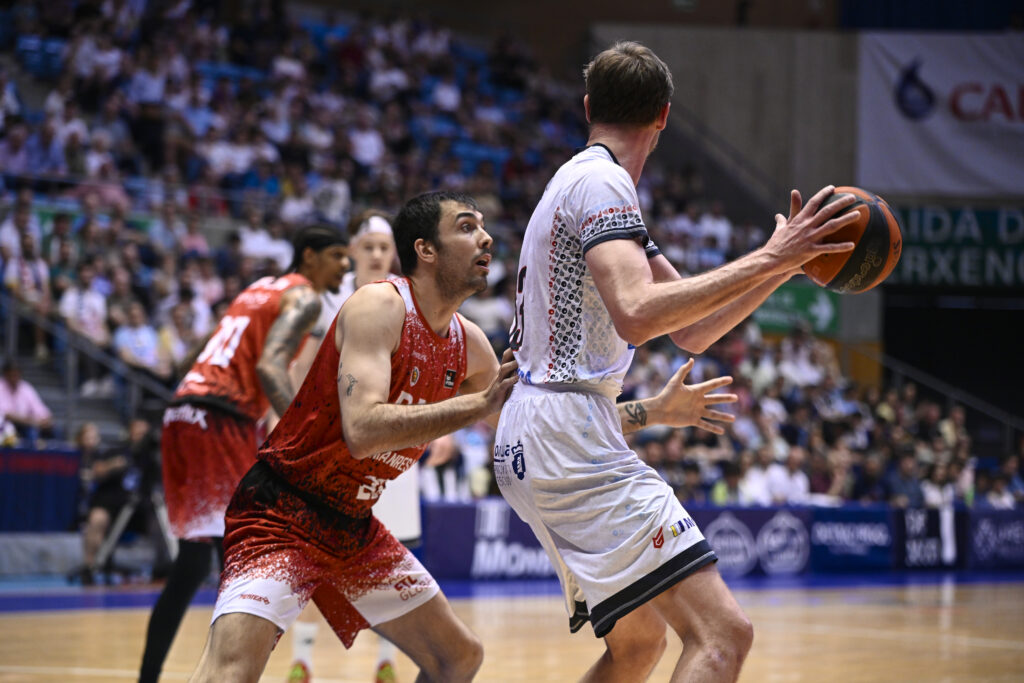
(960, 246)
(796, 301)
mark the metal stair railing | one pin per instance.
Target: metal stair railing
(136, 382)
(900, 369)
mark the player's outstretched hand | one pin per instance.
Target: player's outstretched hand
(689, 405)
(798, 238)
(501, 387)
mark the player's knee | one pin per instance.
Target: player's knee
(461, 661)
(640, 648)
(732, 640)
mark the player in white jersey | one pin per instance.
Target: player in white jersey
(372, 249)
(591, 286)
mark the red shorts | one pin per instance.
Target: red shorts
(281, 551)
(205, 453)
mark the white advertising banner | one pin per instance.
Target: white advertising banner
(941, 114)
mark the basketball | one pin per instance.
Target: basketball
(878, 241)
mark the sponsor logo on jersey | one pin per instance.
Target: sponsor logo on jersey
(187, 414)
(408, 587)
(414, 376)
(681, 526)
(449, 378)
(518, 460)
(659, 538)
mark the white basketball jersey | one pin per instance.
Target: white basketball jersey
(562, 333)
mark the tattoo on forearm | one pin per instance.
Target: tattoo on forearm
(637, 414)
(352, 382)
(302, 307)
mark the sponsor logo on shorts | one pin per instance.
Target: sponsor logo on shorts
(518, 460)
(659, 538)
(449, 378)
(681, 526)
(253, 596)
(185, 413)
(408, 587)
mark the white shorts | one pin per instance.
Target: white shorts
(613, 528)
(277, 600)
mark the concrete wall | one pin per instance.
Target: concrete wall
(784, 101)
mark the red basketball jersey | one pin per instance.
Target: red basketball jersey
(308, 447)
(225, 372)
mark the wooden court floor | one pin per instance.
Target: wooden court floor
(944, 632)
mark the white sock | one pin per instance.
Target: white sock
(386, 653)
(303, 637)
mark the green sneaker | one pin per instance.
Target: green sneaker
(299, 673)
(385, 673)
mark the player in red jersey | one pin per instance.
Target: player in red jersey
(384, 382)
(209, 434)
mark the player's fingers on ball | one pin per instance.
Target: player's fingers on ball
(839, 222)
(835, 248)
(815, 202)
(844, 201)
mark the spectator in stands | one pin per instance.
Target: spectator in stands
(102, 474)
(21, 405)
(999, 496)
(14, 154)
(27, 277)
(904, 487)
(691, 491)
(84, 309)
(18, 222)
(726, 491)
(759, 367)
(136, 343)
(716, 227)
(753, 483)
(937, 489)
(175, 339)
(787, 483)
(46, 152)
(193, 243)
(1010, 467)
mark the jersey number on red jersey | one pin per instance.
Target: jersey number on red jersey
(222, 346)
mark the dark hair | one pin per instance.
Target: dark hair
(627, 84)
(315, 236)
(419, 219)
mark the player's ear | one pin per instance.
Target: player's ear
(425, 250)
(662, 119)
(586, 106)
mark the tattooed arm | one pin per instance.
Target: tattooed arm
(370, 325)
(300, 307)
(679, 405)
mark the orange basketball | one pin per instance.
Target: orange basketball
(878, 241)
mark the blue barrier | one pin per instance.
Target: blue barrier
(38, 489)
(486, 540)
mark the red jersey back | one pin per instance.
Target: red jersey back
(225, 372)
(308, 447)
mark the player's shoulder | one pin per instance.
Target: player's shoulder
(474, 334)
(376, 298)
